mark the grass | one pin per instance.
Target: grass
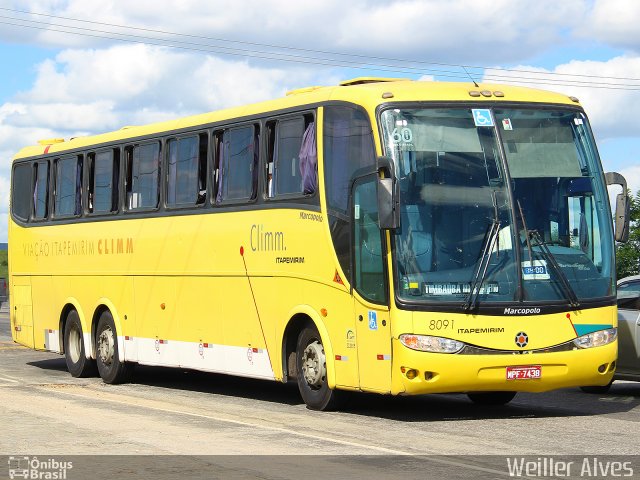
(4, 264)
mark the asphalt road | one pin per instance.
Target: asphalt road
(46, 412)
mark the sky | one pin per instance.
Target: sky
(78, 67)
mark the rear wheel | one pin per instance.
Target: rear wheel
(491, 398)
(74, 353)
(111, 369)
(311, 366)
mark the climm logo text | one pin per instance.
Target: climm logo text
(262, 240)
(115, 246)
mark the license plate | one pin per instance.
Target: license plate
(530, 372)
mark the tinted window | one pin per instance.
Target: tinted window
(369, 277)
(103, 181)
(21, 191)
(348, 147)
(187, 170)
(629, 295)
(286, 171)
(143, 175)
(237, 159)
(68, 193)
(41, 190)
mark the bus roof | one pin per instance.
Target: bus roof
(366, 91)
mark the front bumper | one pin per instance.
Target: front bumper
(448, 373)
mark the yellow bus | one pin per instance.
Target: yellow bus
(382, 235)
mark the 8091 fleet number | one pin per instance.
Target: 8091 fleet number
(441, 324)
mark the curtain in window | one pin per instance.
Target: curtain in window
(35, 195)
(338, 168)
(309, 160)
(78, 209)
(173, 172)
(221, 161)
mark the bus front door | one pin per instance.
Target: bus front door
(373, 339)
(373, 329)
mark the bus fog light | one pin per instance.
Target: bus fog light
(427, 343)
(597, 339)
(411, 374)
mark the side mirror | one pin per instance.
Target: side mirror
(621, 215)
(388, 195)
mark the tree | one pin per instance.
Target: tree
(628, 254)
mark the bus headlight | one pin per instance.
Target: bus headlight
(597, 339)
(427, 343)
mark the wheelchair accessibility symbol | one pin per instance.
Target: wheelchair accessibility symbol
(482, 117)
(373, 320)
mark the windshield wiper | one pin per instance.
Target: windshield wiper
(490, 240)
(569, 292)
(566, 287)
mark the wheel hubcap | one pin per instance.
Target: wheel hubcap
(75, 345)
(106, 346)
(314, 367)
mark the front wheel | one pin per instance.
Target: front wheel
(311, 366)
(111, 369)
(74, 353)
(491, 398)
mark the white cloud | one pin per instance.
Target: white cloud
(95, 90)
(614, 22)
(101, 90)
(613, 112)
(632, 174)
(96, 85)
(66, 117)
(15, 137)
(429, 30)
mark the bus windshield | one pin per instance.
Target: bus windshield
(474, 183)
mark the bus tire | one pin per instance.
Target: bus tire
(111, 369)
(78, 364)
(311, 368)
(491, 398)
(597, 389)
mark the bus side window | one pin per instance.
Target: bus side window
(237, 160)
(103, 181)
(292, 157)
(143, 176)
(186, 183)
(202, 168)
(68, 186)
(41, 190)
(286, 168)
(21, 191)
